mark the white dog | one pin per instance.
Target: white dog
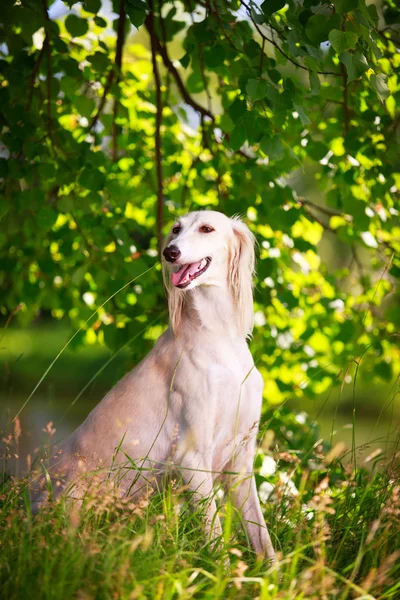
(193, 404)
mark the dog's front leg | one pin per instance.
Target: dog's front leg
(245, 497)
(197, 475)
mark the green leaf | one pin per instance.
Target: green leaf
(384, 370)
(171, 27)
(237, 109)
(238, 137)
(343, 40)
(136, 11)
(344, 6)
(257, 89)
(270, 6)
(46, 218)
(373, 14)
(76, 26)
(195, 82)
(316, 28)
(272, 147)
(100, 22)
(214, 57)
(317, 150)
(84, 105)
(379, 83)
(3, 168)
(185, 60)
(100, 61)
(92, 6)
(356, 64)
(92, 179)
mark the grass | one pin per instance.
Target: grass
(336, 531)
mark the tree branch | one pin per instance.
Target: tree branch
(277, 46)
(262, 56)
(359, 264)
(48, 76)
(116, 68)
(160, 195)
(106, 90)
(327, 211)
(35, 71)
(162, 50)
(346, 109)
(118, 65)
(315, 218)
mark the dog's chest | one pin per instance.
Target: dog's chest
(231, 387)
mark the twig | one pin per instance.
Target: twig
(160, 195)
(204, 78)
(327, 211)
(315, 218)
(35, 71)
(162, 50)
(215, 13)
(118, 65)
(106, 90)
(262, 56)
(185, 187)
(277, 46)
(116, 68)
(10, 318)
(357, 260)
(88, 242)
(48, 77)
(345, 103)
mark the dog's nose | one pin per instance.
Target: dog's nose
(171, 253)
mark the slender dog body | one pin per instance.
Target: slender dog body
(193, 404)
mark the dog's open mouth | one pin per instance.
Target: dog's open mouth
(187, 273)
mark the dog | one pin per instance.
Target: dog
(194, 403)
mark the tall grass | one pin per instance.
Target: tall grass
(335, 526)
(336, 530)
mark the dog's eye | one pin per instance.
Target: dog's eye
(176, 229)
(206, 229)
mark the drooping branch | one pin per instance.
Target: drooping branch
(204, 78)
(162, 51)
(277, 46)
(106, 91)
(157, 136)
(48, 76)
(116, 68)
(346, 109)
(35, 71)
(327, 211)
(314, 217)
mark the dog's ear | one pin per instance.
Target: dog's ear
(240, 274)
(175, 296)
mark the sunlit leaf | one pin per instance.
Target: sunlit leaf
(343, 40)
(76, 26)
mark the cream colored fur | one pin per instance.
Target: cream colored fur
(193, 404)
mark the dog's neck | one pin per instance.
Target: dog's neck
(211, 310)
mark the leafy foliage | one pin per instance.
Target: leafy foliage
(286, 113)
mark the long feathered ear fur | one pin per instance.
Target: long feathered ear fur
(240, 274)
(175, 297)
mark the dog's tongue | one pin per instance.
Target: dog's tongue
(185, 273)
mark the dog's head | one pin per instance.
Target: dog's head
(206, 248)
